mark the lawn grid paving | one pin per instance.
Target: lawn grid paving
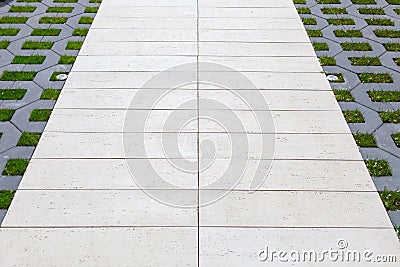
(46, 53)
(363, 39)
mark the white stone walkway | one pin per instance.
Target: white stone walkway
(78, 204)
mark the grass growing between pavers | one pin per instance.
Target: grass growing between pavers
(375, 78)
(378, 168)
(13, 20)
(333, 10)
(365, 61)
(348, 33)
(303, 10)
(74, 45)
(6, 114)
(379, 22)
(18, 76)
(365, 140)
(396, 139)
(67, 59)
(391, 199)
(53, 20)
(6, 196)
(371, 11)
(50, 94)
(80, 32)
(385, 33)
(4, 44)
(22, 9)
(60, 9)
(353, 116)
(390, 116)
(91, 9)
(38, 115)
(392, 46)
(46, 32)
(320, 46)
(364, 2)
(34, 59)
(15, 167)
(9, 31)
(343, 95)
(314, 33)
(384, 96)
(29, 139)
(12, 94)
(327, 61)
(341, 21)
(34, 45)
(357, 46)
(86, 20)
(309, 21)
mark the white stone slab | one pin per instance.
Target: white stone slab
(122, 99)
(241, 246)
(154, 3)
(104, 174)
(114, 174)
(293, 122)
(118, 80)
(142, 35)
(255, 49)
(250, 23)
(267, 80)
(266, 64)
(144, 23)
(139, 49)
(223, 12)
(318, 175)
(261, 80)
(281, 146)
(118, 121)
(276, 99)
(248, 3)
(130, 63)
(293, 209)
(270, 36)
(150, 12)
(157, 145)
(98, 208)
(111, 145)
(99, 247)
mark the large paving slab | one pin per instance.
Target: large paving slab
(82, 203)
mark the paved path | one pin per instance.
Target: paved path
(77, 203)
